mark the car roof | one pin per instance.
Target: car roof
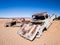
(40, 14)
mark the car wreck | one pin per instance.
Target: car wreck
(36, 26)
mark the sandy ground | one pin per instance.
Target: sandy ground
(9, 36)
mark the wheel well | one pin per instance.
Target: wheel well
(44, 29)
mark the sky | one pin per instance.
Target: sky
(26, 8)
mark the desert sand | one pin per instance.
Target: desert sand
(9, 36)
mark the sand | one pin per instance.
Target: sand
(9, 36)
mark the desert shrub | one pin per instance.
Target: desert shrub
(57, 18)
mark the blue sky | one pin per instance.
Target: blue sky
(25, 8)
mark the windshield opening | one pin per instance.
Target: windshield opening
(39, 17)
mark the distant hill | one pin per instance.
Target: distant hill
(16, 18)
